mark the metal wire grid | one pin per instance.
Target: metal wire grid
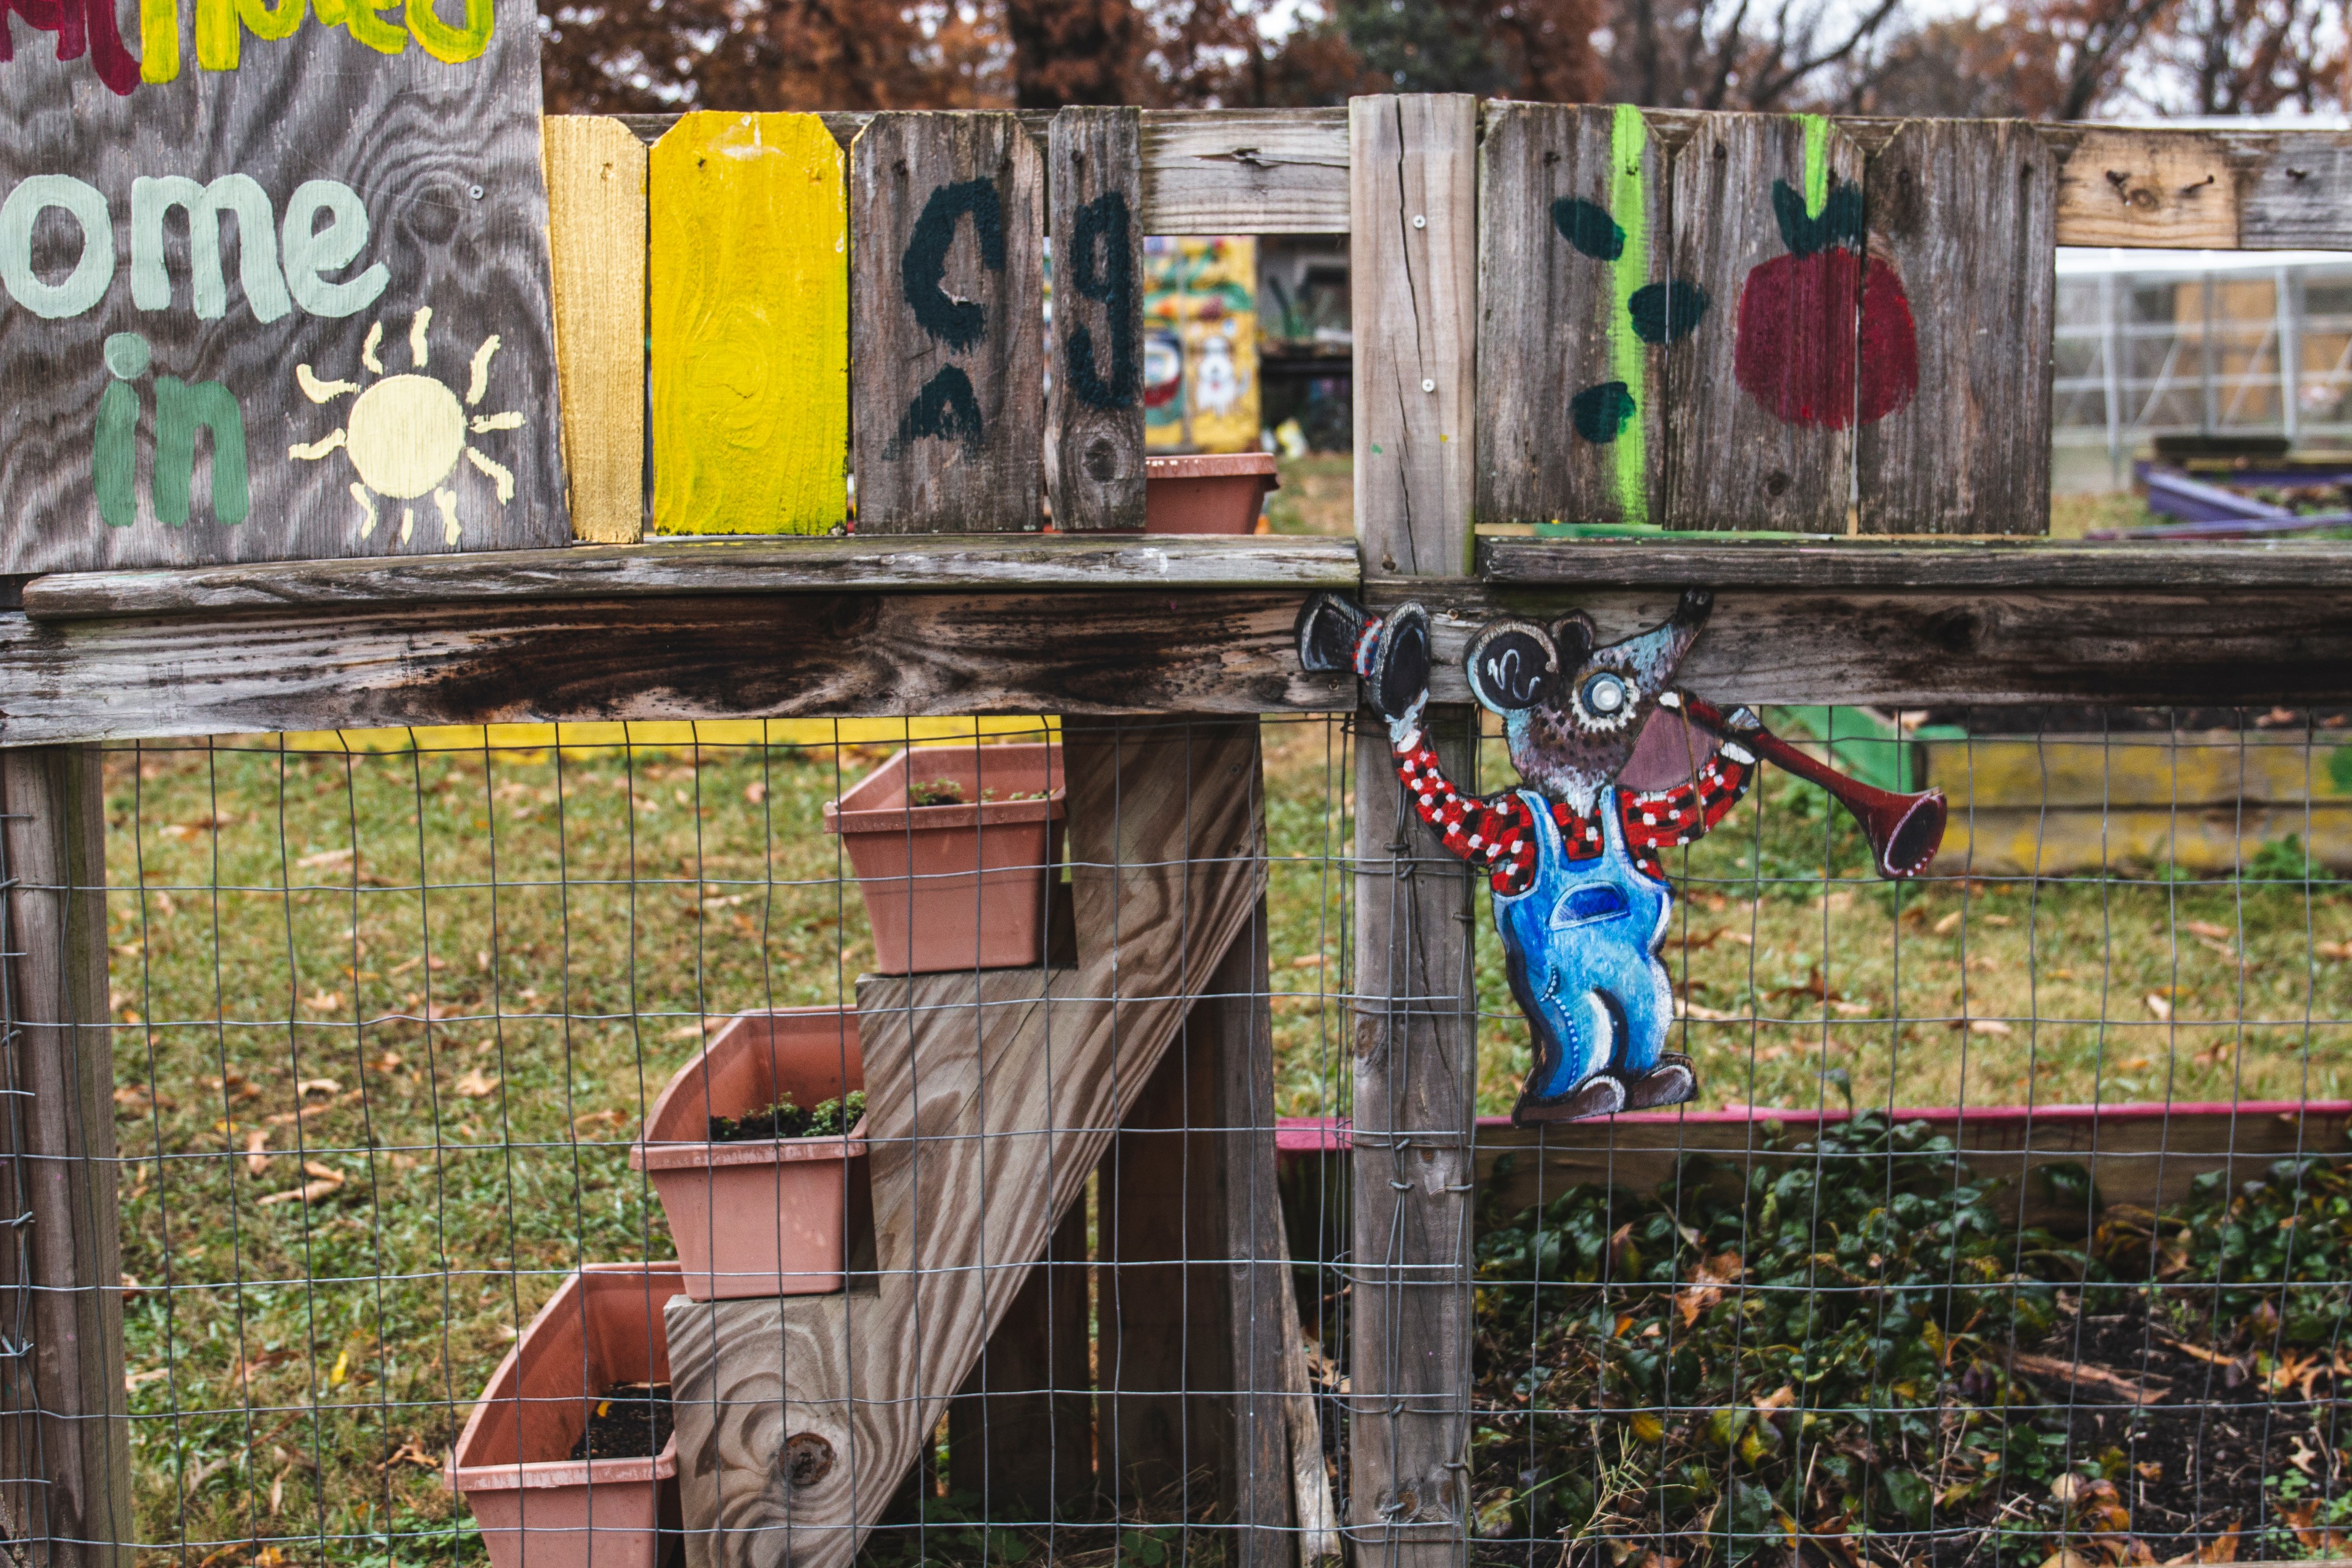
(230, 1331)
(2067, 1502)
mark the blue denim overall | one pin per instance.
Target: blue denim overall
(1580, 948)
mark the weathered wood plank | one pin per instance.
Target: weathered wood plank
(2142, 1155)
(390, 196)
(1760, 396)
(751, 327)
(2191, 770)
(1943, 565)
(1245, 171)
(1919, 650)
(859, 565)
(66, 1449)
(1015, 1080)
(1021, 1430)
(1094, 416)
(1195, 1294)
(597, 246)
(1964, 210)
(2131, 188)
(949, 339)
(602, 659)
(1415, 1100)
(1285, 171)
(1413, 301)
(2199, 840)
(1571, 241)
(2296, 193)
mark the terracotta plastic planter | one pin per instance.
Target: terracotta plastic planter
(767, 1217)
(537, 1507)
(956, 887)
(1215, 493)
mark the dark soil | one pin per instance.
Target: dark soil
(631, 1422)
(827, 1119)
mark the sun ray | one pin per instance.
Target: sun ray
(499, 478)
(448, 502)
(368, 349)
(416, 348)
(367, 507)
(480, 382)
(407, 523)
(486, 422)
(318, 391)
(317, 449)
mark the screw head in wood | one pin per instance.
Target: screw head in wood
(1420, 221)
(1428, 386)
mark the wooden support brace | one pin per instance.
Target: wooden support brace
(65, 1472)
(990, 1098)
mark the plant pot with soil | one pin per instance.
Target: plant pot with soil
(956, 850)
(1207, 493)
(567, 1457)
(756, 1151)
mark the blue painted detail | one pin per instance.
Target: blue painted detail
(1579, 947)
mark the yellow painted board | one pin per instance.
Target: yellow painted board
(2211, 841)
(2127, 768)
(750, 274)
(676, 733)
(596, 239)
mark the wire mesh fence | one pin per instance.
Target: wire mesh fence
(1919, 1278)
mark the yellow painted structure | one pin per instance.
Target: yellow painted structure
(749, 279)
(2205, 803)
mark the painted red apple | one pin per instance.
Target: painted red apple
(1825, 336)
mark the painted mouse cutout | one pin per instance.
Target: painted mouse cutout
(1581, 897)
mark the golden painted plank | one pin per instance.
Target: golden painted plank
(750, 269)
(2195, 770)
(597, 235)
(2205, 841)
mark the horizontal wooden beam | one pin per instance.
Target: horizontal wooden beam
(726, 656)
(1940, 565)
(2097, 646)
(1019, 564)
(1233, 171)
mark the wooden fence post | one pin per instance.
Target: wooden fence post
(1196, 1300)
(1413, 241)
(65, 1445)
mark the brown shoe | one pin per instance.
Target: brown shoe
(1671, 1082)
(1599, 1095)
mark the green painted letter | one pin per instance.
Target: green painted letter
(114, 465)
(179, 409)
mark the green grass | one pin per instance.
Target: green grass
(447, 984)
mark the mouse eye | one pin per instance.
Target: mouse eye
(1606, 696)
(1511, 665)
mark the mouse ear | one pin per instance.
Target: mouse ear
(1512, 665)
(1574, 635)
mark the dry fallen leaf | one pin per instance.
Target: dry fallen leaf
(755, 791)
(2207, 929)
(2159, 1007)
(255, 1143)
(2340, 951)
(1989, 1026)
(476, 1084)
(412, 1452)
(1945, 925)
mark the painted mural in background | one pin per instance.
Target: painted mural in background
(1200, 346)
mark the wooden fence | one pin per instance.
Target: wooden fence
(1552, 323)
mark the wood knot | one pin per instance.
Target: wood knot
(807, 1460)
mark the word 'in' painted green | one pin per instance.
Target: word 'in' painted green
(181, 409)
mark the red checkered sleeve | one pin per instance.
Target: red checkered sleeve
(1495, 833)
(1667, 818)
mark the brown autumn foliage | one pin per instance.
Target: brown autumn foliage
(2049, 60)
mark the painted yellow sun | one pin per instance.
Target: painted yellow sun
(406, 434)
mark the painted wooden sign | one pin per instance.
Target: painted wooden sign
(749, 277)
(276, 284)
(948, 343)
(1766, 330)
(1094, 421)
(1578, 315)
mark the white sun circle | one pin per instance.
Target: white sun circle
(407, 433)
